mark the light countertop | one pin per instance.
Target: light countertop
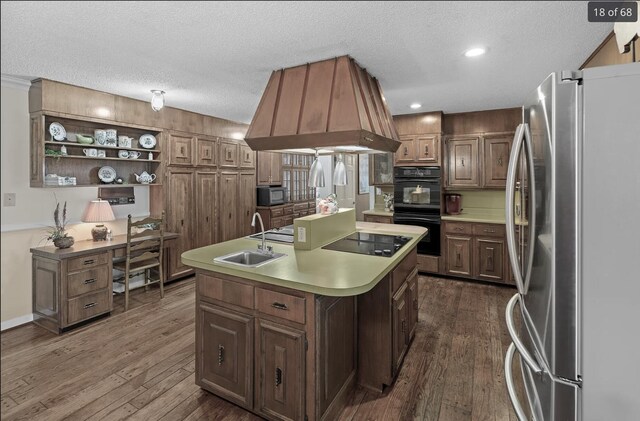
(319, 271)
(377, 212)
(486, 216)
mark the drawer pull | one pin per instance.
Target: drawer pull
(489, 230)
(278, 376)
(220, 354)
(90, 305)
(89, 262)
(458, 228)
(280, 306)
(89, 281)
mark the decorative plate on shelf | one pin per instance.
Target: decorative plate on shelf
(147, 141)
(57, 131)
(107, 174)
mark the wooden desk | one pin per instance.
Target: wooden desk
(74, 285)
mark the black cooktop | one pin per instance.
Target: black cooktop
(369, 243)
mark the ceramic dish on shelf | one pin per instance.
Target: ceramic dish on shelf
(85, 140)
(57, 131)
(147, 141)
(107, 174)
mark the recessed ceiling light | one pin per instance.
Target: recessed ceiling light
(474, 52)
(415, 105)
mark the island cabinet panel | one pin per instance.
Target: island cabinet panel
(224, 354)
(384, 326)
(46, 290)
(412, 302)
(281, 371)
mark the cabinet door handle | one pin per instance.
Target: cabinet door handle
(458, 228)
(220, 354)
(89, 281)
(182, 222)
(489, 230)
(89, 262)
(403, 326)
(206, 218)
(90, 305)
(462, 162)
(406, 151)
(426, 149)
(415, 304)
(279, 306)
(500, 160)
(490, 259)
(458, 259)
(278, 376)
(182, 150)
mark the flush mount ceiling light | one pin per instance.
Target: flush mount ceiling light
(415, 106)
(157, 99)
(475, 52)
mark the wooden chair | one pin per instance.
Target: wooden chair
(145, 248)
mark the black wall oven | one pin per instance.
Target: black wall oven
(417, 202)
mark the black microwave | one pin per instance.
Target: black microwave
(269, 196)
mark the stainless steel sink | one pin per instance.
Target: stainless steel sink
(249, 258)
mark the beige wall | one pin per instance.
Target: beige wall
(24, 225)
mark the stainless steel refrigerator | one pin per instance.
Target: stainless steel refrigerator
(573, 235)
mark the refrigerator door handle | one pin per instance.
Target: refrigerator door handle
(508, 377)
(518, 139)
(532, 199)
(531, 362)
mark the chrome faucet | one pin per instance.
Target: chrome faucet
(253, 224)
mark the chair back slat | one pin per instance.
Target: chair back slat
(146, 244)
(146, 233)
(153, 238)
(146, 221)
(148, 255)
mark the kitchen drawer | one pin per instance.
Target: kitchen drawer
(276, 212)
(87, 306)
(87, 281)
(303, 213)
(489, 230)
(428, 263)
(223, 290)
(404, 268)
(88, 261)
(287, 220)
(297, 207)
(378, 219)
(278, 222)
(458, 227)
(281, 305)
(288, 209)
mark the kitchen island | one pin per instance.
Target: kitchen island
(289, 339)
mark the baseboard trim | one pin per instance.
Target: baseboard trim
(8, 324)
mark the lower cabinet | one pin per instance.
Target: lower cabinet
(380, 219)
(224, 357)
(476, 250)
(280, 353)
(386, 324)
(280, 370)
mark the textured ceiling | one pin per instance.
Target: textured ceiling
(216, 57)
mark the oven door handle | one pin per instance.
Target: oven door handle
(414, 219)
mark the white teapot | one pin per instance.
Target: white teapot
(145, 178)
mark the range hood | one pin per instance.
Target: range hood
(328, 106)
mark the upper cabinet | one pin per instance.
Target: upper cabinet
(497, 149)
(462, 161)
(420, 139)
(181, 149)
(269, 168)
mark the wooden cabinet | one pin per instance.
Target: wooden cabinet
(462, 162)
(421, 149)
(224, 353)
(228, 205)
(269, 169)
(181, 149)
(181, 200)
(247, 203)
(229, 151)
(206, 209)
(476, 250)
(247, 157)
(282, 215)
(207, 152)
(497, 149)
(380, 219)
(281, 371)
(386, 325)
(412, 302)
(477, 161)
(280, 353)
(67, 291)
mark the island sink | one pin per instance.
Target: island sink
(249, 258)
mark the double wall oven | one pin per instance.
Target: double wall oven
(417, 202)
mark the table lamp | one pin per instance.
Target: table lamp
(99, 211)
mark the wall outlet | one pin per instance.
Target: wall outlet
(9, 199)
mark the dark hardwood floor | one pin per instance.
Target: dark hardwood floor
(140, 364)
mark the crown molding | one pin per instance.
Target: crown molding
(8, 81)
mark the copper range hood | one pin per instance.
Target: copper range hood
(331, 105)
